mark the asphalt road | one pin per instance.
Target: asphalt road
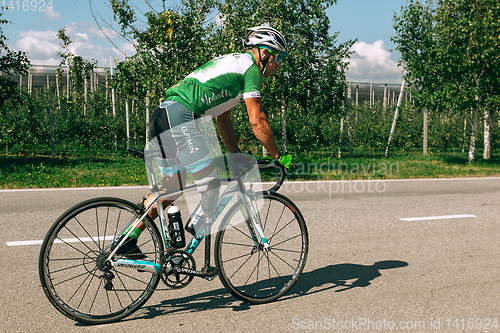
(368, 270)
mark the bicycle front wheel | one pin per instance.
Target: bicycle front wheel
(71, 263)
(249, 272)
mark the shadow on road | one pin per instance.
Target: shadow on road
(319, 280)
(334, 276)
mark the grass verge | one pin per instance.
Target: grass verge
(44, 172)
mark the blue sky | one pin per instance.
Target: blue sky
(33, 30)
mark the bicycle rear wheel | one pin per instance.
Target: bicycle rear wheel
(247, 271)
(72, 257)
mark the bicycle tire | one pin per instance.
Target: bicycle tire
(69, 256)
(286, 232)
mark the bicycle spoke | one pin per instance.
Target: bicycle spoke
(277, 232)
(124, 287)
(238, 257)
(277, 223)
(264, 277)
(286, 240)
(78, 250)
(286, 263)
(117, 223)
(81, 241)
(95, 296)
(66, 268)
(84, 229)
(69, 259)
(256, 265)
(85, 293)
(277, 273)
(267, 215)
(105, 229)
(239, 244)
(77, 289)
(74, 283)
(72, 278)
(97, 228)
(251, 255)
(129, 276)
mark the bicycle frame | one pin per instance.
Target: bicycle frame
(235, 186)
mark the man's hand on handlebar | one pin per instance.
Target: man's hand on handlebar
(286, 160)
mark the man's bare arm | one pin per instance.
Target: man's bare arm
(261, 126)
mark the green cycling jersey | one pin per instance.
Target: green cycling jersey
(219, 85)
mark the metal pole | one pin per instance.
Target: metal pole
(127, 124)
(340, 138)
(393, 128)
(283, 127)
(371, 91)
(385, 97)
(113, 101)
(147, 117)
(357, 95)
(58, 93)
(67, 83)
(425, 132)
(84, 96)
(52, 130)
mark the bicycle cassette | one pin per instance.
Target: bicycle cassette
(171, 264)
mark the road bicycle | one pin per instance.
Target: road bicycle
(257, 260)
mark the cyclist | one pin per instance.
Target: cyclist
(212, 90)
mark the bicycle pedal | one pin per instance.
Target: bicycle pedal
(210, 272)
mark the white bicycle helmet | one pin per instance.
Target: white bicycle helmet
(266, 36)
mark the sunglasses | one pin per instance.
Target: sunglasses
(276, 55)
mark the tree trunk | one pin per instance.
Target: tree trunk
(394, 122)
(349, 128)
(472, 147)
(283, 128)
(426, 122)
(487, 134)
(340, 139)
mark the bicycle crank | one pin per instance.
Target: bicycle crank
(207, 272)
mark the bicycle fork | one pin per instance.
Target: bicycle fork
(253, 224)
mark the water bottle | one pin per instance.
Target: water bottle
(175, 227)
(195, 222)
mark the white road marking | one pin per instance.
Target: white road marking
(444, 217)
(58, 241)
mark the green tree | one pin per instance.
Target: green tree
(449, 51)
(174, 43)
(10, 62)
(311, 82)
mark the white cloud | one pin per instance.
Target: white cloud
(39, 44)
(90, 27)
(50, 14)
(42, 46)
(128, 48)
(83, 36)
(372, 62)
